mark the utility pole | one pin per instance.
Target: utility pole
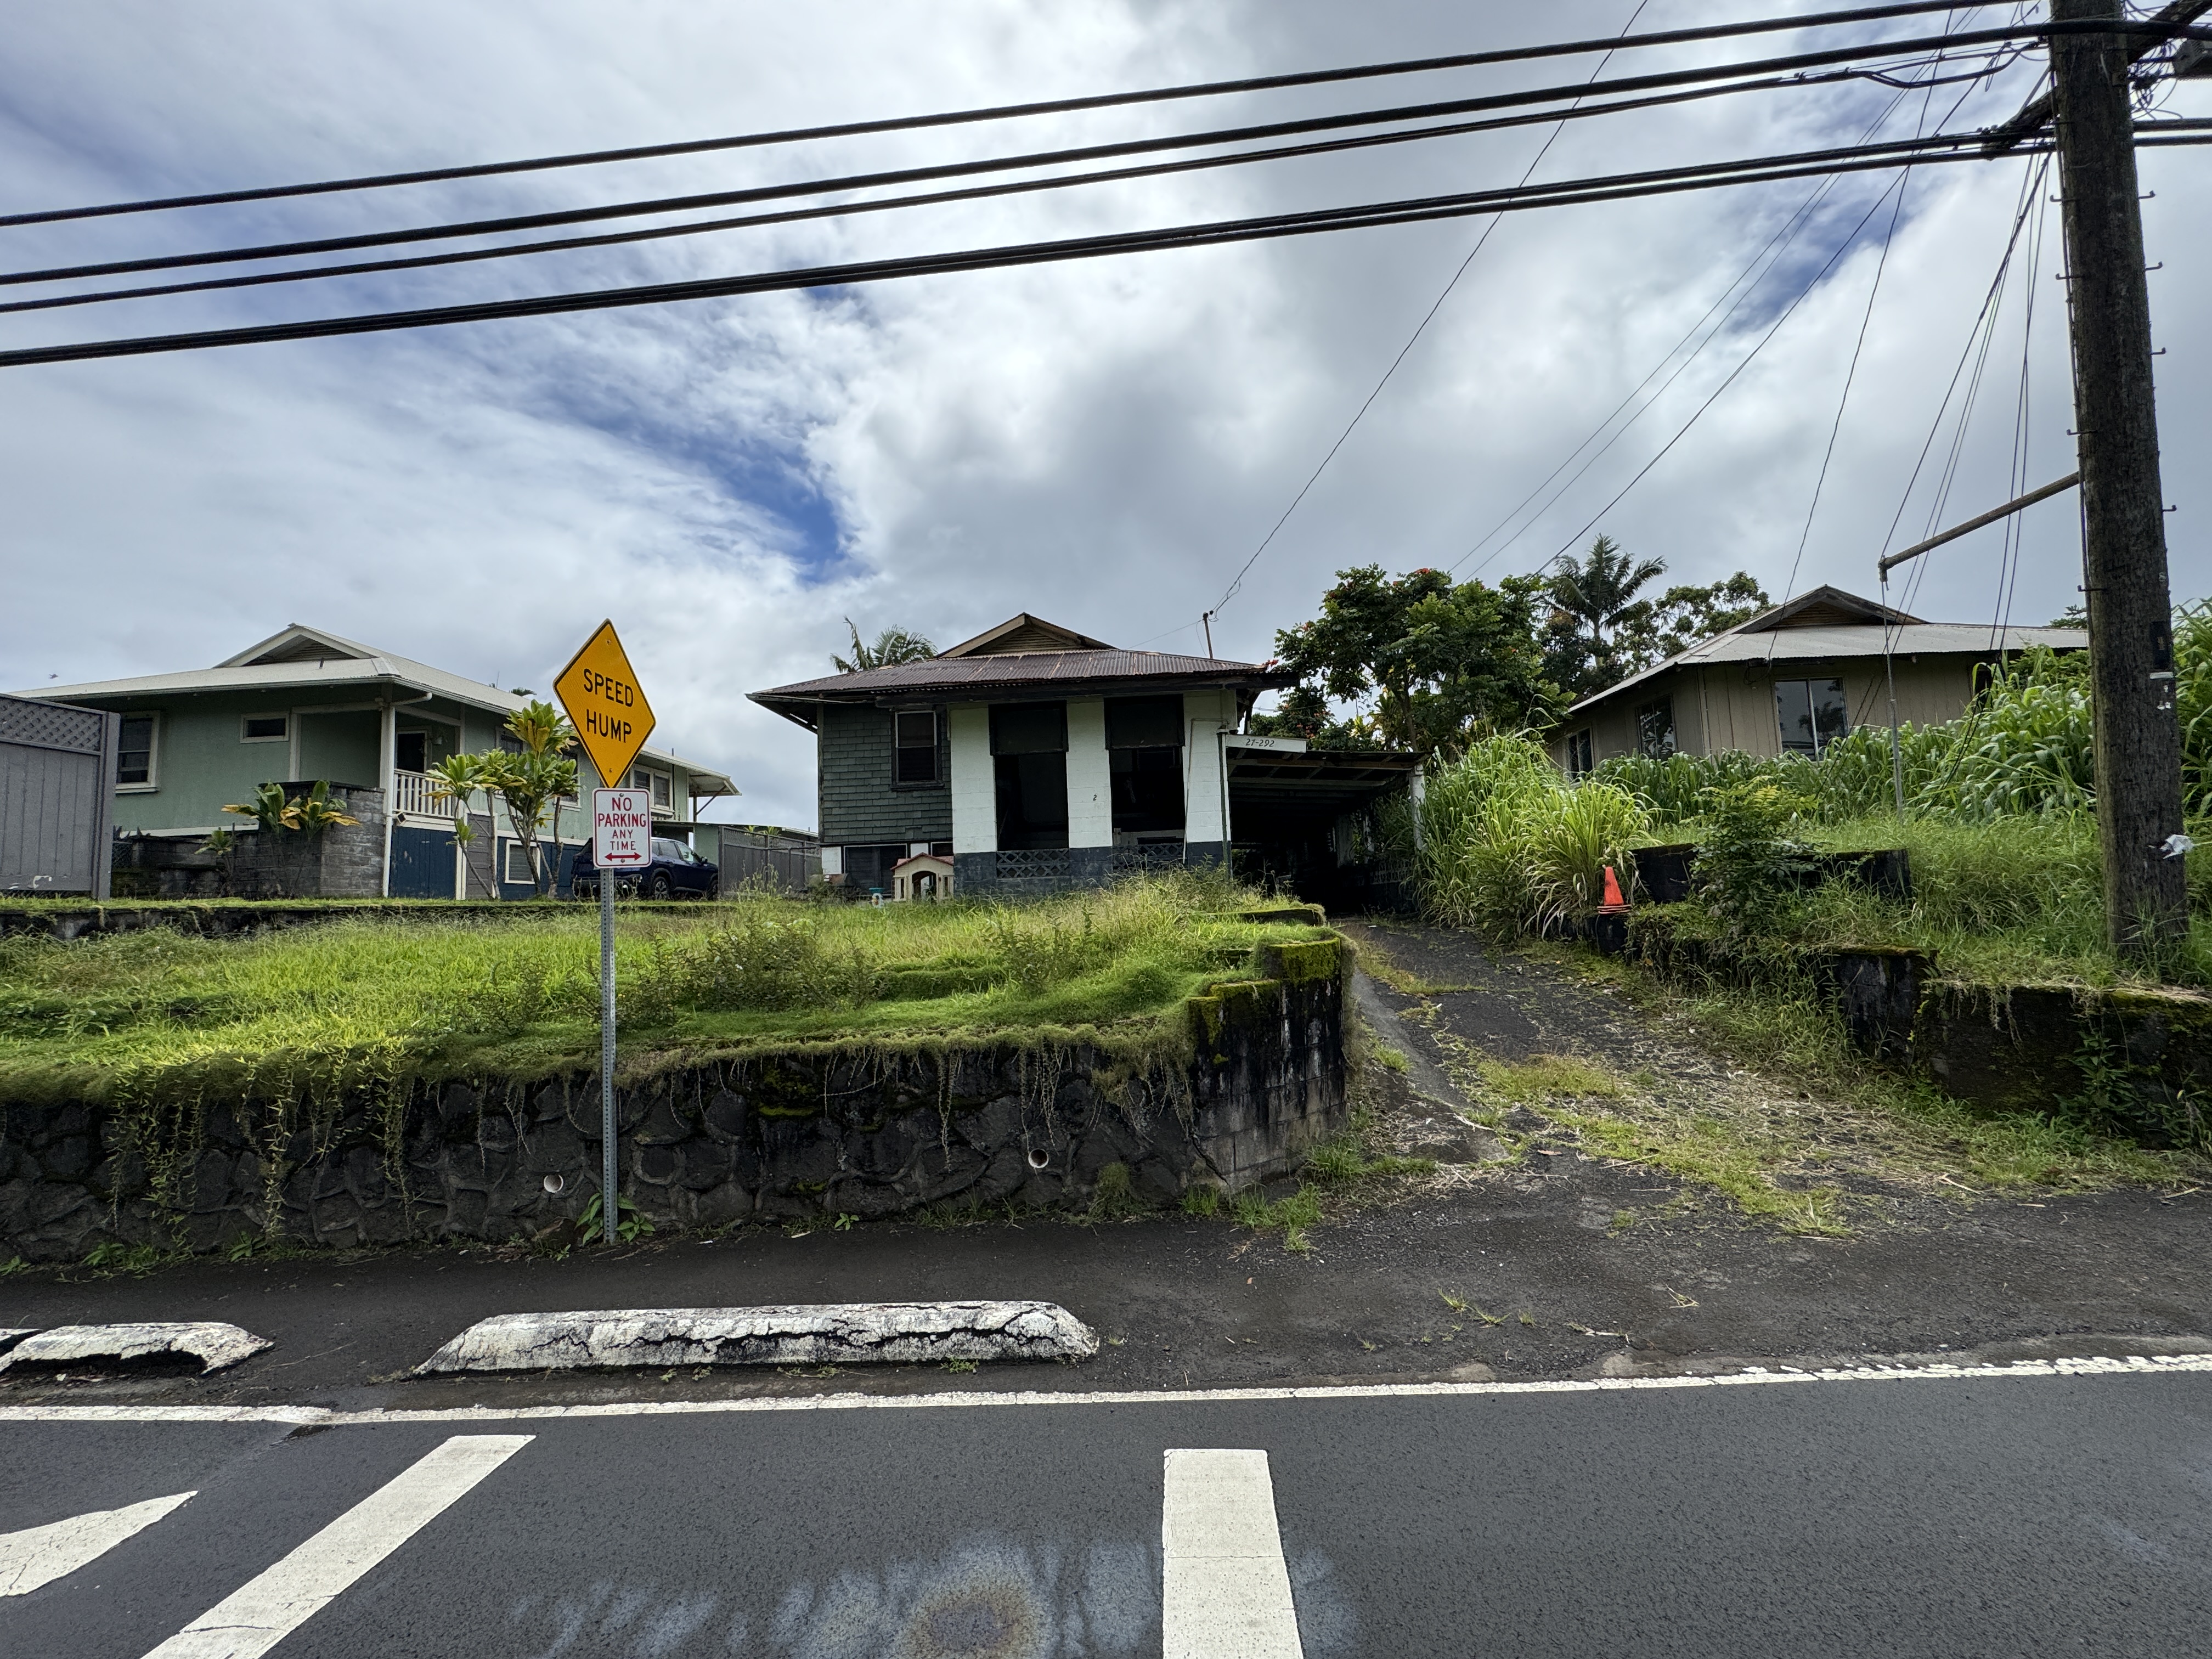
(2138, 736)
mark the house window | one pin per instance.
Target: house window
(1812, 715)
(264, 728)
(658, 782)
(411, 751)
(1144, 754)
(1579, 764)
(518, 872)
(1654, 729)
(914, 746)
(134, 753)
(1029, 747)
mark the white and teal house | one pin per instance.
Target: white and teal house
(305, 705)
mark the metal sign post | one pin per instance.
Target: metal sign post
(599, 689)
(622, 839)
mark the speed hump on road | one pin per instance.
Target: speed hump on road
(599, 689)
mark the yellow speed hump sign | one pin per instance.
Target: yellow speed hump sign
(607, 705)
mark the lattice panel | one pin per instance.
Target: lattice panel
(49, 725)
(1033, 864)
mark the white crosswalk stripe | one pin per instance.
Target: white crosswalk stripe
(258, 1615)
(1226, 1589)
(39, 1555)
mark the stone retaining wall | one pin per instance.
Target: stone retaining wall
(805, 1133)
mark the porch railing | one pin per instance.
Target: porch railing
(417, 792)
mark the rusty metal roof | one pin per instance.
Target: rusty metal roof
(963, 679)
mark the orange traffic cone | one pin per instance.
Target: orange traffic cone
(1613, 900)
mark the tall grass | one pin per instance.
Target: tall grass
(521, 996)
(1510, 846)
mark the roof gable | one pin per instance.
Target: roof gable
(1824, 607)
(1024, 633)
(299, 643)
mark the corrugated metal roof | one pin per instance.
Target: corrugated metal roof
(942, 674)
(370, 667)
(1864, 640)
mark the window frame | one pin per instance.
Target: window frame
(933, 749)
(152, 781)
(1644, 714)
(1582, 755)
(513, 846)
(283, 717)
(659, 785)
(1813, 715)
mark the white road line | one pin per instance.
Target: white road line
(258, 1616)
(1226, 1592)
(1874, 1372)
(39, 1555)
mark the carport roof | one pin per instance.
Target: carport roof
(1313, 782)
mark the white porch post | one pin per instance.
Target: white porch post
(387, 764)
(975, 780)
(1090, 774)
(1207, 715)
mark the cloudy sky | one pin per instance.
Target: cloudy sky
(1102, 443)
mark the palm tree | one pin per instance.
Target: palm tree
(893, 645)
(1596, 591)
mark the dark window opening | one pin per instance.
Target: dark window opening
(411, 751)
(1029, 744)
(940, 849)
(263, 728)
(914, 746)
(1144, 744)
(1579, 763)
(1811, 714)
(1654, 729)
(868, 869)
(134, 750)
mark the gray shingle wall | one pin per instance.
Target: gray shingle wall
(859, 804)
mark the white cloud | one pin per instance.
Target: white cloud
(1101, 442)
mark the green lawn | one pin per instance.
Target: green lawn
(162, 1013)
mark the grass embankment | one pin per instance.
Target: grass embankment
(156, 1013)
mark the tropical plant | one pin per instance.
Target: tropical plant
(458, 777)
(893, 646)
(529, 781)
(274, 810)
(1590, 597)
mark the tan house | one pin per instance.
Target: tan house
(1794, 679)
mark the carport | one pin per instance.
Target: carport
(1295, 812)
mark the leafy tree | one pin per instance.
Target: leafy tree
(1651, 630)
(892, 645)
(1425, 664)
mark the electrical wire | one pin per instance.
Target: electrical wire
(993, 112)
(1945, 147)
(886, 204)
(643, 207)
(1419, 328)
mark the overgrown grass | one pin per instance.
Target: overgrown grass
(351, 1001)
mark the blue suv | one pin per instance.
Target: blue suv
(676, 871)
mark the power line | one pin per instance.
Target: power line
(637, 207)
(1945, 147)
(1419, 328)
(978, 192)
(994, 112)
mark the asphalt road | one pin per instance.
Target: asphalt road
(1939, 1516)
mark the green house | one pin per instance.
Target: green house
(305, 705)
